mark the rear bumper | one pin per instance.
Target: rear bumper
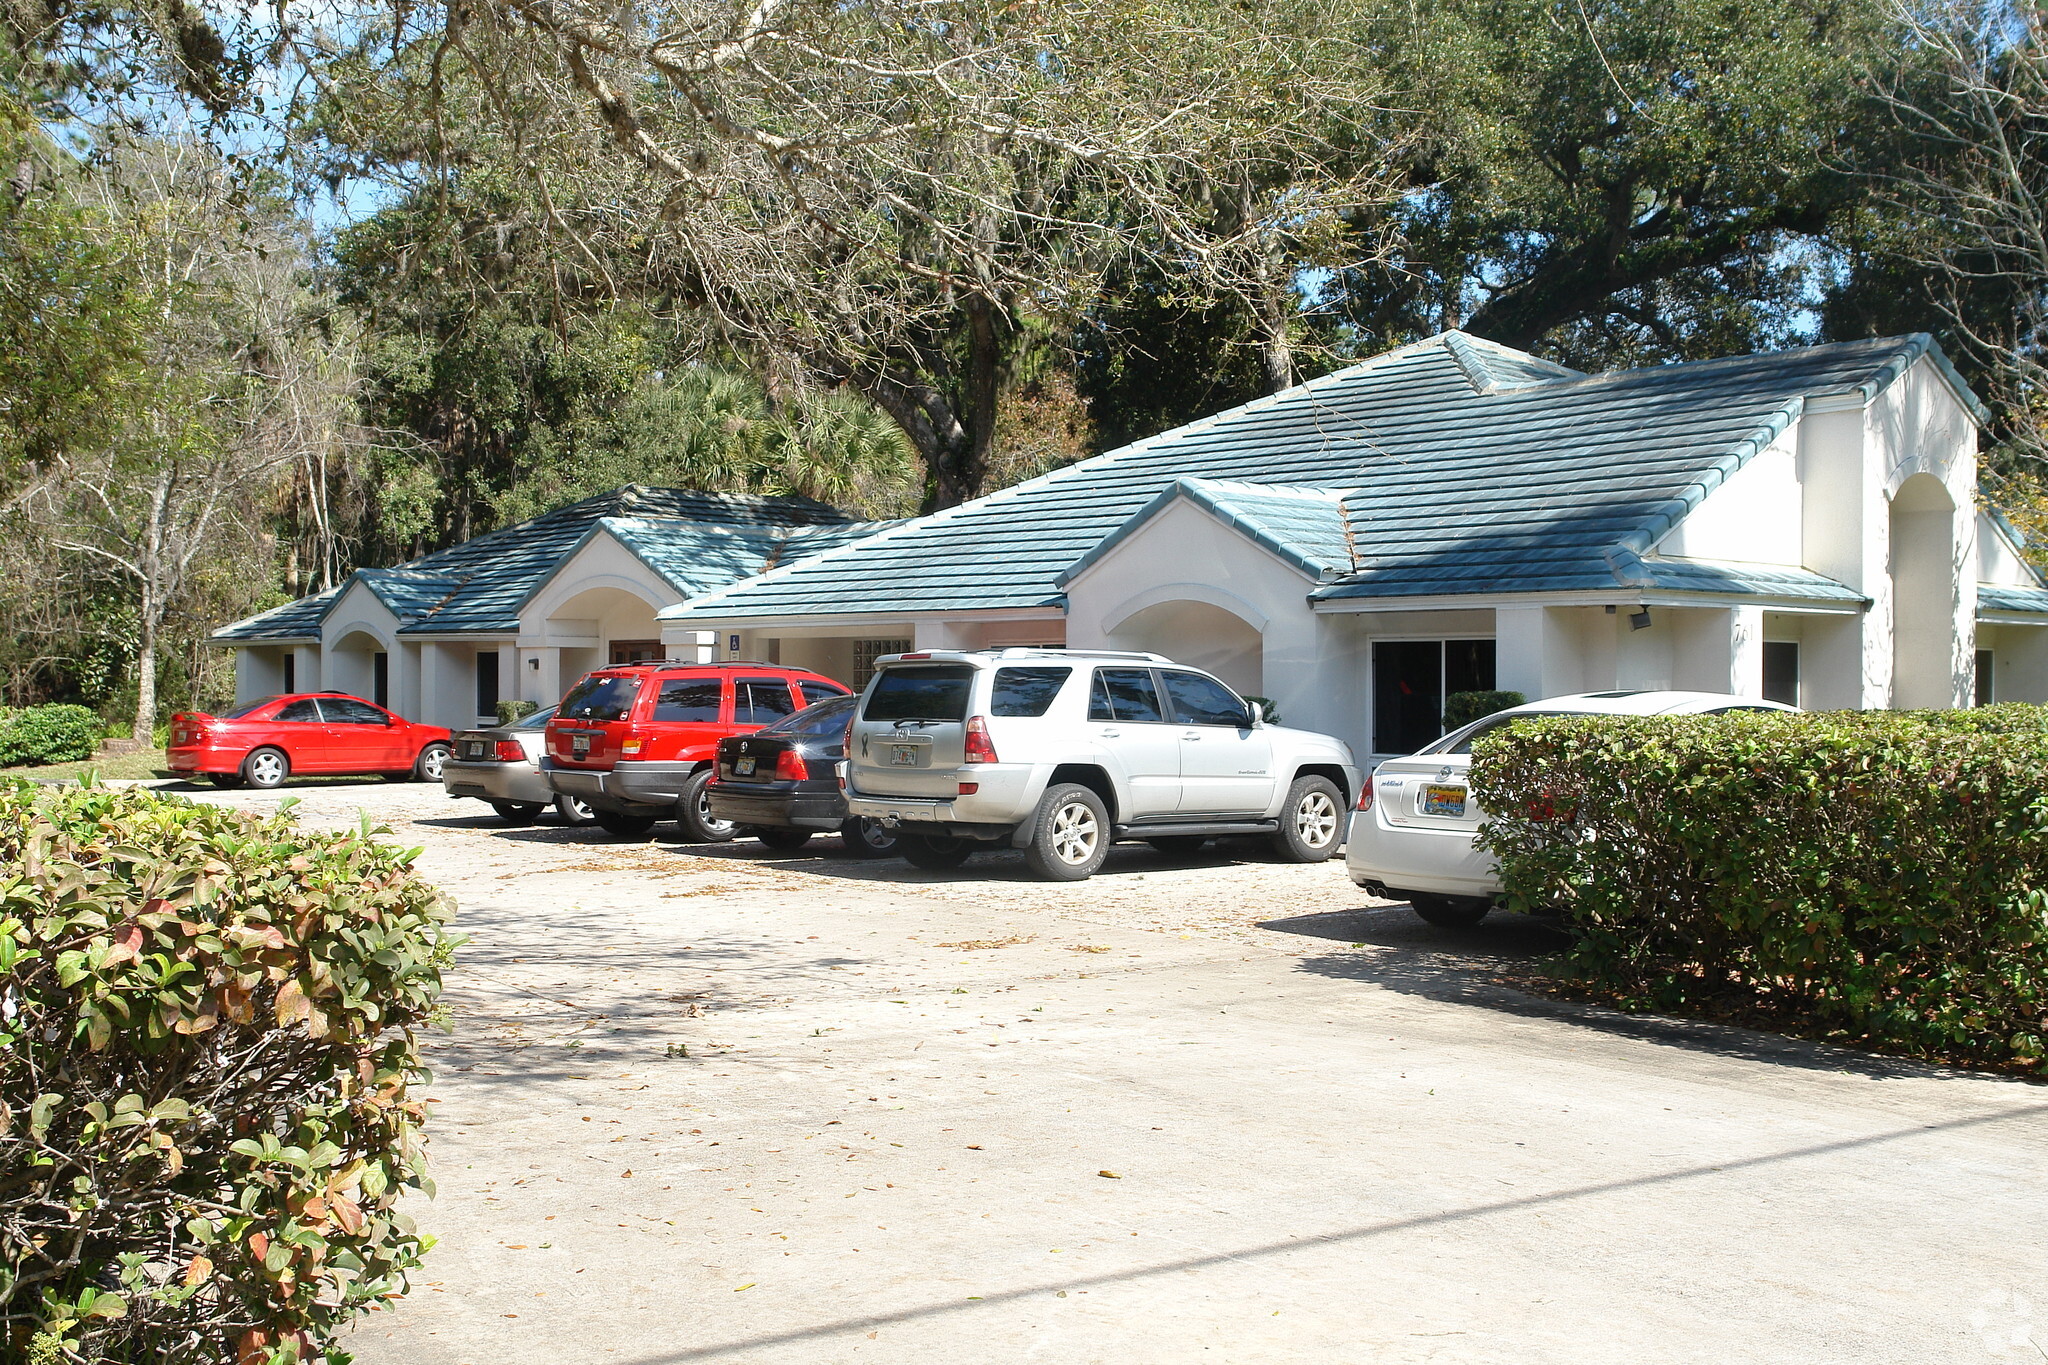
(1008, 793)
(1401, 858)
(197, 760)
(784, 804)
(628, 789)
(513, 782)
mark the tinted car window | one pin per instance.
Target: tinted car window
(1124, 694)
(345, 711)
(1026, 691)
(1462, 744)
(249, 709)
(937, 692)
(826, 719)
(816, 692)
(600, 698)
(687, 699)
(300, 711)
(760, 701)
(537, 721)
(1197, 700)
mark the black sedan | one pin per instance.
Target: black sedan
(781, 784)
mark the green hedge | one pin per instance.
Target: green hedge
(206, 1076)
(1879, 877)
(49, 734)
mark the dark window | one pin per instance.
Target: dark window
(760, 701)
(487, 682)
(1124, 694)
(816, 692)
(1781, 671)
(635, 652)
(1411, 678)
(291, 670)
(349, 711)
(1462, 744)
(1026, 691)
(1985, 692)
(600, 697)
(247, 708)
(380, 679)
(827, 718)
(688, 699)
(300, 712)
(937, 692)
(1197, 700)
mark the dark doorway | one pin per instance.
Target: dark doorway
(380, 679)
(1781, 671)
(1986, 691)
(291, 670)
(1411, 678)
(487, 682)
(635, 652)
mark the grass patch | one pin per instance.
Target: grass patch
(142, 763)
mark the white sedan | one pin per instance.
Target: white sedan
(1412, 833)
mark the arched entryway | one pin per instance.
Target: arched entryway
(1923, 584)
(360, 664)
(603, 622)
(1201, 634)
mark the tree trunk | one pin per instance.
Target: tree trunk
(145, 672)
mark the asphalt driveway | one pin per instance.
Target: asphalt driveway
(699, 1106)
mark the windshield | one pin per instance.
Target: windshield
(930, 692)
(1460, 741)
(599, 697)
(247, 708)
(538, 720)
(826, 718)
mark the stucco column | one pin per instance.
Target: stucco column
(1531, 653)
(1718, 649)
(543, 685)
(422, 695)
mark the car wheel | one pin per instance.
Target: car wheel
(570, 811)
(266, 768)
(693, 811)
(781, 838)
(1069, 835)
(1450, 912)
(517, 812)
(432, 760)
(934, 851)
(225, 780)
(1311, 821)
(625, 826)
(865, 838)
(1180, 845)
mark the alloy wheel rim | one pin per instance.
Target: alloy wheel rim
(435, 758)
(1315, 819)
(1074, 833)
(704, 816)
(874, 836)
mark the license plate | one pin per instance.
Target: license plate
(906, 755)
(579, 745)
(1443, 801)
(473, 750)
(743, 767)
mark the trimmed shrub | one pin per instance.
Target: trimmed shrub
(207, 1059)
(1877, 877)
(49, 734)
(510, 711)
(1462, 708)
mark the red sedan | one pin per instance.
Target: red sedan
(266, 741)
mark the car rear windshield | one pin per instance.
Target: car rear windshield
(599, 697)
(1026, 691)
(827, 718)
(920, 692)
(248, 708)
(1462, 743)
(537, 721)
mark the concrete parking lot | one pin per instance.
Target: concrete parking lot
(704, 1106)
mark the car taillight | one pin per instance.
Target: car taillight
(631, 745)
(1365, 794)
(979, 749)
(510, 752)
(790, 767)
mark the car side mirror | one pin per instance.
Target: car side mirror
(1259, 721)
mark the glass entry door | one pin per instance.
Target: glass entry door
(1411, 678)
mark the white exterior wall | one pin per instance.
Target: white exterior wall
(1757, 517)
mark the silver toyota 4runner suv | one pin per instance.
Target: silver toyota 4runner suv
(1063, 752)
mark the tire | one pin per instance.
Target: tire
(226, 781)
(517, 812)
(781, 838)
(1180, 845)
(266, 768)
(427, 767)
(1311, 822)
(866, 839)
(1450, 912)
(625, 826)
(935, 852)
(570, 811)
(1070, 834)
(693, 811)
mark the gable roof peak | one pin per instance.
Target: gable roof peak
(1491, 367)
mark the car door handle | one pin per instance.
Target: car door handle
(1109, 734)
(1190, 737)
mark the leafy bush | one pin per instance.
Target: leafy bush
(1878, 876)
(48, 734)
(1462, 708)
(511, 711)
(207, 1056)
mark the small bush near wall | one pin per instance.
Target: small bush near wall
(510, 711)
(1462, 708)
(1877, 877)
(37, 735)
(207, 1055)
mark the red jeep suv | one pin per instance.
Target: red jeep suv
(639, 742)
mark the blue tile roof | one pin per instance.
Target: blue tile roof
(1303, 526)
(1471, 469)
(2000, 597)
(697, 541)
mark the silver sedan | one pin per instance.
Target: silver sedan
(501, 766)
